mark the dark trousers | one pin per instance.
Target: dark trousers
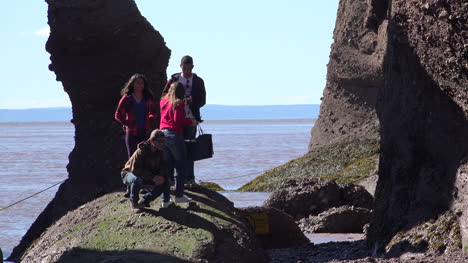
(189, 133)
(131, 141)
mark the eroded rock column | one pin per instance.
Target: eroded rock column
(354, 75)
(423, 111)
(95, 47)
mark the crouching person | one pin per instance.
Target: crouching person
(147, 166)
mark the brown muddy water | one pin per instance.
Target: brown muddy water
(33, 156)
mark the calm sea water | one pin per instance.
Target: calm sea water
(33, 156)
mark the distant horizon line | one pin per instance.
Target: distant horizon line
(225, 105)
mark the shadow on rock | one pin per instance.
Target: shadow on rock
(79, 255)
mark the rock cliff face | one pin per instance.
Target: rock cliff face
(95, 47)
(354, 75)
(423, 111)
(399, 68)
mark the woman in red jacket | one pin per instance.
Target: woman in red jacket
(136, 111)
(173, 120)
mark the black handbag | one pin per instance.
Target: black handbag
(201, 147)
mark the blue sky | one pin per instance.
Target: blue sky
(248, 52)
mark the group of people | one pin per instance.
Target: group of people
(154, 154)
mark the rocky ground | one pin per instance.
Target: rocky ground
(208, 229)
(356, 251)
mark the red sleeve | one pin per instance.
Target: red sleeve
(151, 110)
(121, 112)
(179, 115)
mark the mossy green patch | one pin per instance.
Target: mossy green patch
(346, 162)
(108, 227)
(439, 235)
(211, 186)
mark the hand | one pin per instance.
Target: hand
(188, 100)
(158, 180)
(194, 123)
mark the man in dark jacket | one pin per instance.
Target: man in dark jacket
(195, 98)
(147, 165)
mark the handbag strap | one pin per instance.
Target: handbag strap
(200, 130)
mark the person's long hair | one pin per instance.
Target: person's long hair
(128, 88)
(175, 94)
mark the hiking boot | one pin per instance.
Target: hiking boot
(143, 204)
(166, 204)
(182, 199)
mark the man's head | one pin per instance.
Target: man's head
(186, 64)
(156, 140)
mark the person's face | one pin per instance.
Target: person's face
(139, 85)
(186, 68)
(157, 144)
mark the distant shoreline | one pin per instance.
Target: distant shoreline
(210, 112)
(225, 120)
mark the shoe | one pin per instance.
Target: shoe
(190, 183)
(143, 204)
(127, 193)
(182, 199)
(135, 205)
(166, 204)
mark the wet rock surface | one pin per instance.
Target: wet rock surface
(354, 252)
(323, 206)
(350, 161)
(310, 196)
(343, 219)
(282, 231)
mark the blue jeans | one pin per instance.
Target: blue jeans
(176, 158)
(134, 183)
(189, 133)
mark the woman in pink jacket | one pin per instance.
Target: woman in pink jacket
(173, 120)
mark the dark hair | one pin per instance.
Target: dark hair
(128, 88)
(175, 94)
(186, 60)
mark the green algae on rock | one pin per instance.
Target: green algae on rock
(346, 162)
(204, 230)
(437, 236)
(211, 186)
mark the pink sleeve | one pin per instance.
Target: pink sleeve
(179, 115)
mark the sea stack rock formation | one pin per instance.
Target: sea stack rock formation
(422, 192)
(354, 75)
(95, 47)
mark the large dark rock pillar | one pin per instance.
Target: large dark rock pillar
(423, 111)
(95, 47)
(354, 75)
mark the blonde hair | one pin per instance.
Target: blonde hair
(175, 94)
